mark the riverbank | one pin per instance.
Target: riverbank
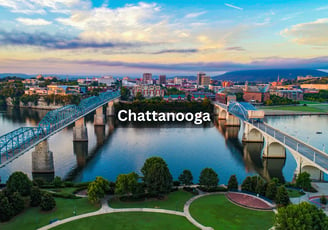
(272, 112)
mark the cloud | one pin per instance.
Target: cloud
(40, 6)
(233, 6)
(176, 51)
(235, 48)
(310, 33)
(56, 41)
(195, 15)
(322, 8)
(33, 22)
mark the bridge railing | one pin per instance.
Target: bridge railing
(313, 154)
(13, 142)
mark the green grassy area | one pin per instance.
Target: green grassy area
(217, 212)
(173, 201)
(130, 221)
(299, 108)
(33, 218)
(308, 102)
(294, 193)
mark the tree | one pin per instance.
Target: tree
(35, 197)
(6, 208)
(271, 190)
(97, 189)
(208, 178)
(126, 183)
(47, 202)
(139, 96)
(323, 199)
(303, 181)
(186, 177)
(157, 176)
(282, 198)
(247, 184)
(57, 182)
(260, 187)
(17, 202)
(19, 182)
(125, 93)
(302, 216)
(233, 183)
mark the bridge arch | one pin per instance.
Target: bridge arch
(255, 135)
(222, 114)
(315, 173)
(275, 150)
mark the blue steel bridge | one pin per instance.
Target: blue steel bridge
(17, 142)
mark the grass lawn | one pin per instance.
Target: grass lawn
(33, 218)
(295, 108)
(130, 221)
(174, 201)
(217, 212)
(292, 193)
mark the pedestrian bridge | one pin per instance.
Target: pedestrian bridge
(308, 158)
(19, 141)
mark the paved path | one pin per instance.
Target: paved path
(105, 209)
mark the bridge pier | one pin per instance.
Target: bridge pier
(81, 152)
(110, 111)
(42, 162)
(99, 118)
(252, 135)
(231, 120)
(273, 149)
(80, 132)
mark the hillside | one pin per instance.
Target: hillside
(268, 74)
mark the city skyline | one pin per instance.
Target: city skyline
(162, 37)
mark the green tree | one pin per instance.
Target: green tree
(139, 96)
(233, 183)
(282, 198)
(303, 181)
(323, 199)
(6, 208)
(186, 177)
(57, 182)
(300, 217)
(17, 202)
(208, 178)
(47, 202)
(35, 197)
(19, 182)
(157, 176)
(271, 190)
(247, 184)
(125, 93)
(260, 187)
(97, 189)
(126, 183)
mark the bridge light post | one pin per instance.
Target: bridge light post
(323, 147)
(297, 146)
(284, 139)
(314, 157)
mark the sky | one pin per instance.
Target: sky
(128, 38)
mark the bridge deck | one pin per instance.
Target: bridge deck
(16, 143)
(315, 155)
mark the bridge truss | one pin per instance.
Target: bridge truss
(22, 138)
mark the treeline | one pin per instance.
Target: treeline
(322, 96)
(163, 106)
(276, 100)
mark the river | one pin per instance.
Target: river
(123, 147)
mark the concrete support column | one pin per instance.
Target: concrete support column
(100, 134)
(273, 149)
(99, 118)
(252, 135)
(80, 132)
(110, 109)
(231, 120)
(81, 152)
(42, 162)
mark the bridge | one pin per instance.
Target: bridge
(19, 141)
(308, 158)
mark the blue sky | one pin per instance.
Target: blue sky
(172, 37)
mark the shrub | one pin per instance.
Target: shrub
(19, 182)
(323, 199)
(17, 203)
(233, 183)
(35, 197)
(47, 202)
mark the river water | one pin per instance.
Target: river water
(123, 147)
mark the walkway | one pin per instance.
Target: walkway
(105, 209)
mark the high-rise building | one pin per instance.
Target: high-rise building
(205, 80)
(162, 79)
(147, 77)
(199, 78)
